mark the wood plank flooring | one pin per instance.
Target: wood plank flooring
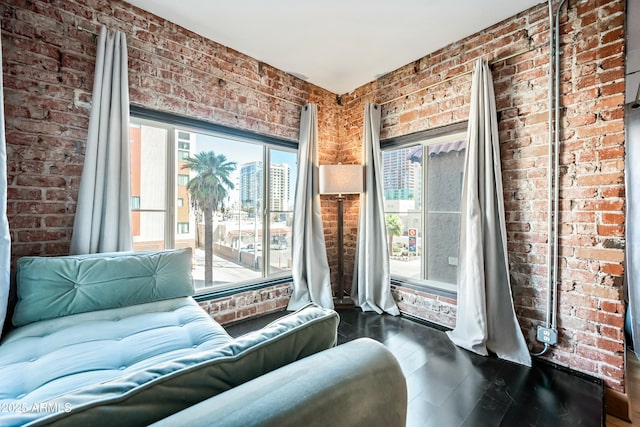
(449, 386)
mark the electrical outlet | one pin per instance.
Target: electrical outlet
(547, 335)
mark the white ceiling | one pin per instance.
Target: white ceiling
(336, 44)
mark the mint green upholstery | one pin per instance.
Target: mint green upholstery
(112, 339)
(153, 389)
(357, 384)
(50, 287)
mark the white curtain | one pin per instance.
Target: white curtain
(632, 263)
(371, 290)
(486, 320)
(5, 238)
(102, 221)
(311, 275)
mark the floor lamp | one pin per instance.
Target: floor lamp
(340, 180)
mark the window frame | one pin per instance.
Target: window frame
(411, 140)
(174, 123)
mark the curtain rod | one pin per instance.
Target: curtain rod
(464, 73)
(93, 33)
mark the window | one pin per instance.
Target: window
(422, 190)
(252, 223)
(135, 202)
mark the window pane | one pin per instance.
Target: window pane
(237, 223)
(281, 191)
(402, 178)
(445, 166)
(148, 158)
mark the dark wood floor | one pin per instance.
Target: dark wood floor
(449, 386)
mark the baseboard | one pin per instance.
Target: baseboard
(343, 304)
(617, 404)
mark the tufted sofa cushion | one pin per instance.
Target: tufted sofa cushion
(47, 359)
(127, 367)
(50, 287)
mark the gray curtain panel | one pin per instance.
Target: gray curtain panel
(5, 238)
(102, 222)
(486, 320)
(371, 290)
(310, 270)
(632, 263)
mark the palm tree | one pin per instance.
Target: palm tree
(394, 228)
(208, 189)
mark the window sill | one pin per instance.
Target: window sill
(424, 287)
(227, 292)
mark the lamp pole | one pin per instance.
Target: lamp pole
(340, 290)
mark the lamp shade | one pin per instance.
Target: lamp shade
(341, 179)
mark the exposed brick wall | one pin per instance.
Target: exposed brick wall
(425, 305)
(590, 313)
(48, 68)
(248, 304)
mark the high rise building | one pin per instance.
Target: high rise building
(401, 175)
(280, 189)
(251, 186)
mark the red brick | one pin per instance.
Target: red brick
(600, 179)
(612, 307)
(611, 230)
(613, 218)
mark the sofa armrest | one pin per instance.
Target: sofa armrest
(359, 383)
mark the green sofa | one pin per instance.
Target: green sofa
(117, 339)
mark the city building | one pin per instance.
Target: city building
(251, 186)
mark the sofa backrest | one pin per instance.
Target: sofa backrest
(49, 287)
